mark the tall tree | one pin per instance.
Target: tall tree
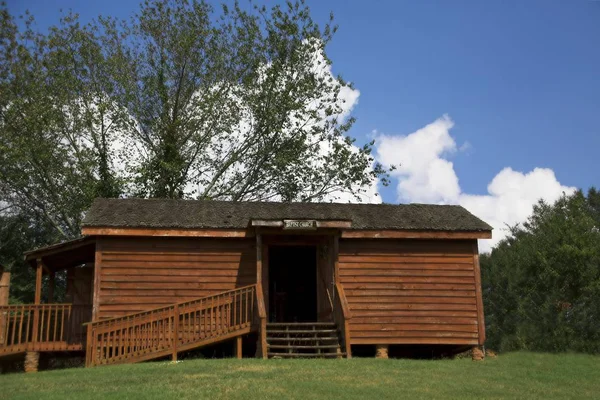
(236, 105)
(54, 157)
(179, 101)
(542, 284)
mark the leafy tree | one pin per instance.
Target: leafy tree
(180, 101)
(243, 108)
(53, 151)
(17, 235)
(542, 284)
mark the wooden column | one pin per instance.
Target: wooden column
(4, 287)
(238, 347)
(478, 293)
(38, 282)
(175, 332)
(97, 277)
(261, 346)
(37, 300)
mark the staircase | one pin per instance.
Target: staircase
(304, 340)
(168, 330)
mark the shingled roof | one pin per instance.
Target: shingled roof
(206, 214)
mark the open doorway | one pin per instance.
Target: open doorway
(292, 283)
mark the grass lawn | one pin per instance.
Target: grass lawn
(515, 375)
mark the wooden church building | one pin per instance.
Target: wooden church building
(155, 278)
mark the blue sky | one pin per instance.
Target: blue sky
(519, 79)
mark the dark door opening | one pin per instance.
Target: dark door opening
(292, 283)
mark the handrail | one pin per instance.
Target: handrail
(262, 320)
(342, 316)
(170, 329)
(165, 307)
(35, 327)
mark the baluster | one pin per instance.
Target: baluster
(46, 321)
(127, 336)
(161, 340)
(13, 322)
(218, 312)
(124, 334)
(134, 334)
(54, 337)
(27, 330)
(14, 327)
(130, 335)
(145, 333)
(101, 345)
(251, 305)
(212, 306)
(234, 311)
(21, 317)
(245, 317)
(190, 331)
(204, 316)
(151, 330)
(63, 322)
(122, 330)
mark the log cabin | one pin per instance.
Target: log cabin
(152, 278)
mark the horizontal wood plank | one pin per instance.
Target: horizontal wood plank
(410, 291)
(141, 273)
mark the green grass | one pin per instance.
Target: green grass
(515, 375)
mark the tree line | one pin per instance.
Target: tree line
(541, 285)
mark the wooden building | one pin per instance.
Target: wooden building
(154, 278)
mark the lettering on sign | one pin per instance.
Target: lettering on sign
(299, 224)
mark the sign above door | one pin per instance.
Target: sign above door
(300, 224)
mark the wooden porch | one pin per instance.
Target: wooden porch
(47, 325)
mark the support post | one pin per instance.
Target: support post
(175, 332)
(238, 347)
(4, 287)
(38, 281)
(37, 301)
(382, 351)
(261, 346)
(32, 361)
(97, 277)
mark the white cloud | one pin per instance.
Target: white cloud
(425, 175)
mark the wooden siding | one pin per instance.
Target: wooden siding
(411, 291)
(137, 274)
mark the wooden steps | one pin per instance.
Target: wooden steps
(304, 340)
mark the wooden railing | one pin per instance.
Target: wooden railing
(341, 316)
(261, 321)
(171, 329)
(42, 327)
